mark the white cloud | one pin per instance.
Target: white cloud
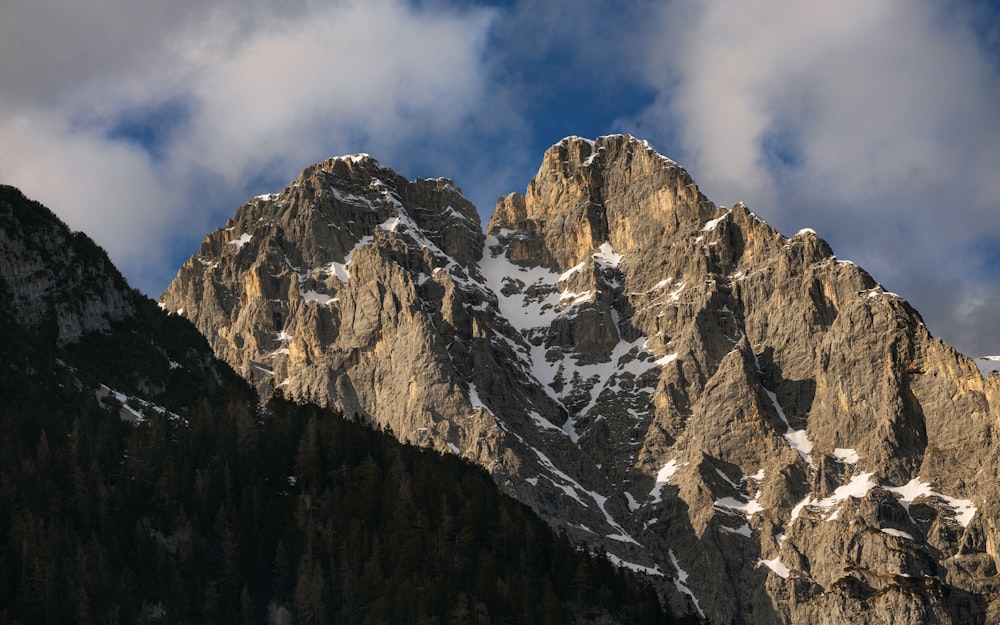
(111, 189)
(380, 69)
(873, 122)
(265, 92)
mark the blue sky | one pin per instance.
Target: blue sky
(873, 122)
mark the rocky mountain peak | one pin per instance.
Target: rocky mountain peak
(754, 423)
(615, 189)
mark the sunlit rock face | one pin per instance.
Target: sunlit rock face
(754, 423)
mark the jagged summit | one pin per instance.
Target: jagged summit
(743, 416)
(602, 191)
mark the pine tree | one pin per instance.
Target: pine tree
(310, 605)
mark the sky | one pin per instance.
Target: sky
(876, 123)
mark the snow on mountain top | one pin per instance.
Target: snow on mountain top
(776, 566)
(662, 479)
(858, 487)
(846, 455)
(681, 582)
(593, 144)
(359, 159)
(964, 509)
(242, 240)
(606, 255)
(712, 223)
(897, 533)
(571, 138)
(797, 439)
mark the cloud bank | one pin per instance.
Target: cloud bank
(140, 129)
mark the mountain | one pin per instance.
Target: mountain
(755, 424)
(143, 481)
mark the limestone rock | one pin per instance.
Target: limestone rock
(754, 423)
(85, 294)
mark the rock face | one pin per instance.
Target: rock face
(757, 425)
(56, 280)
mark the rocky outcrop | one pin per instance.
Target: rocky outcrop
(54, 279)
(754, 423)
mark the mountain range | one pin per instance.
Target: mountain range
(738, 417)
(754, 424)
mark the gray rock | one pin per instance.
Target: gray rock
(85, 293)
(753, 422)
